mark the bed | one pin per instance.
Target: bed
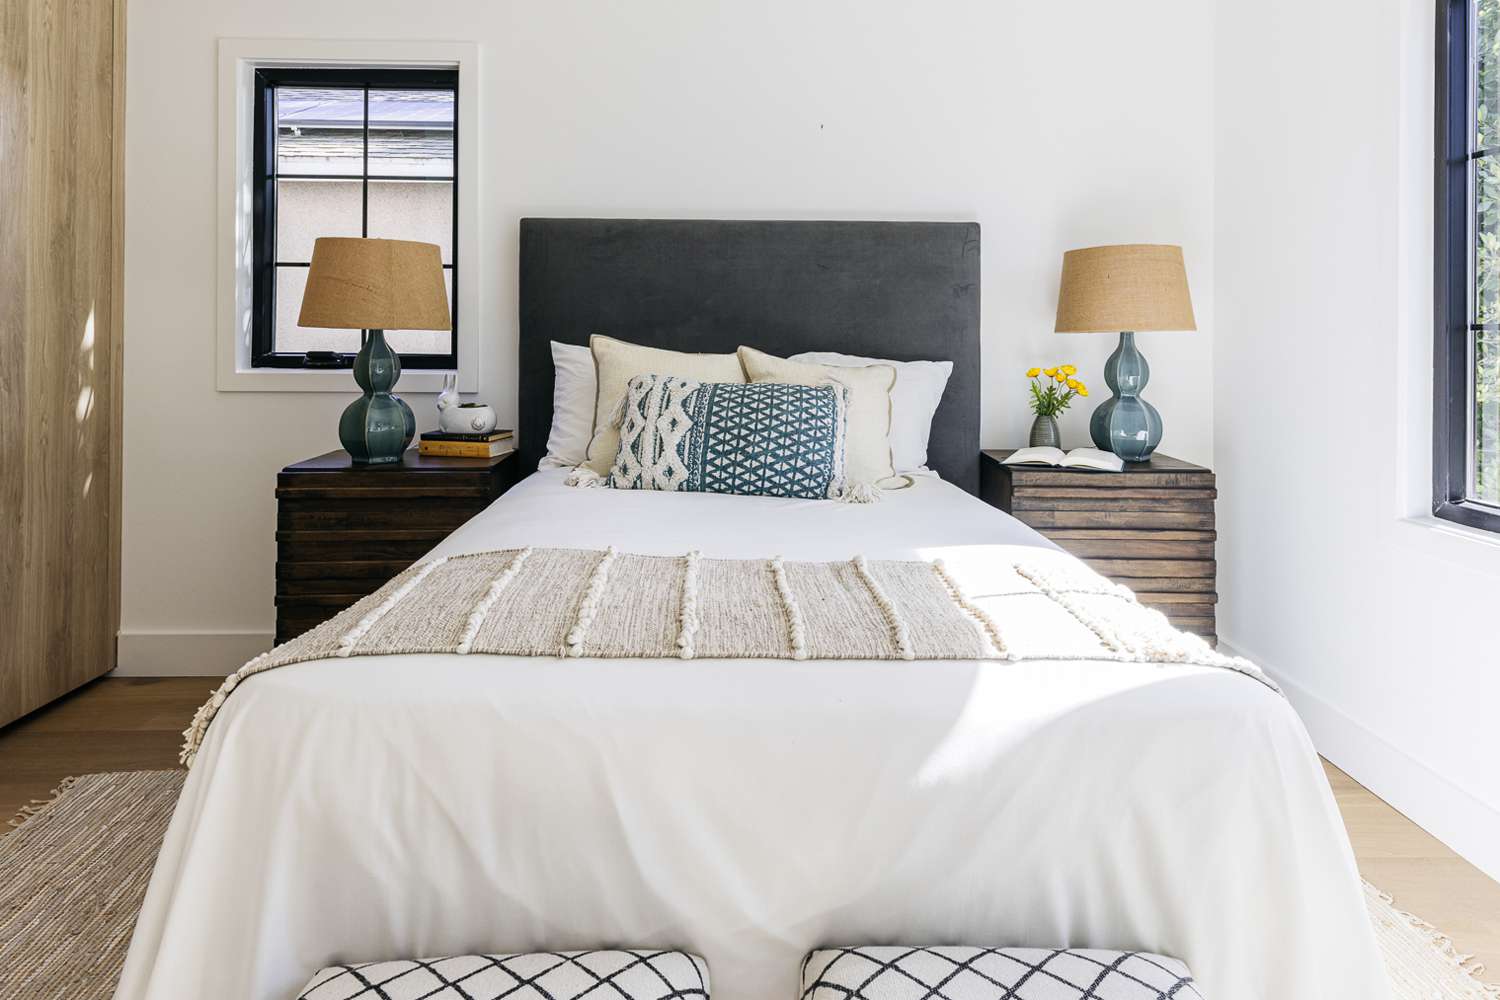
(751, 810)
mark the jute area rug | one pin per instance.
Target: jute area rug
(73, 872)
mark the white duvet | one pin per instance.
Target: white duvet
(750, 811)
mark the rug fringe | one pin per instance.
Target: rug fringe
(28, 811)
(1440, 942)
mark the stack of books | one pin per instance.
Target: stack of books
(491, 445)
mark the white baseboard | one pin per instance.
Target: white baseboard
(1467, 824)
(187, 654)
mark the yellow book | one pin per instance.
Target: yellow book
(466, 449)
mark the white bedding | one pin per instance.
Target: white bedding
(750, 811)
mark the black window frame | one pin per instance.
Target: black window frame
(1453, 275)
(263, 204)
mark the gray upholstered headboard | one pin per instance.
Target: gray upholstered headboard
(899, 290)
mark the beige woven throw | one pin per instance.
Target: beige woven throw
(587, 602)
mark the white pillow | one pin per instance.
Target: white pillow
(867, 447)
(616, 362)
(573, 392)
(914, 399)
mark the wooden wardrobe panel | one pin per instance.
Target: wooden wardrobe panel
(59, 346)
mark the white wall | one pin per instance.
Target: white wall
(1054, 125)
(1287, 148)
(1380, 623)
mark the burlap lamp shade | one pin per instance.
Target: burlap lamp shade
(1125, 289)
(376, 285)
(1136, 287)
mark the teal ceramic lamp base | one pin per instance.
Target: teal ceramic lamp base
(376, 428)
(1126, 424)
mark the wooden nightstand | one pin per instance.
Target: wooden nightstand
(342, 529)
(1150, 527)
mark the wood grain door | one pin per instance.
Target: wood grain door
(61, 89)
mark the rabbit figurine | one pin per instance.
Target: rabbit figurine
(457, 417)
(449, 396)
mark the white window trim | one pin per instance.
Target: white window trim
(238, 60)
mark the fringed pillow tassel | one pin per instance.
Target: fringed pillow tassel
(585, 478)
(857, 493)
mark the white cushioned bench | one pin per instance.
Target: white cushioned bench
(902, 973)
(536, 975)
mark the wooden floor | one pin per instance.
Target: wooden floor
(1419, 873)
(126, 724)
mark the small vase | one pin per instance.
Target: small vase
(1044, 433)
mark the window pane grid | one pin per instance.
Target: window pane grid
(1484, 367)
(1481, 340)
(308, 263)
(416, 125)
(1475, 345)
(355, 177)
(1466, 300)
(364, 168)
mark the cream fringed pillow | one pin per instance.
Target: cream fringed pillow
(617, 362)
(867, 448)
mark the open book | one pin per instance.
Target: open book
(1078, 458)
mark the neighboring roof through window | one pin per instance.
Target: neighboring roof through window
(411, 132)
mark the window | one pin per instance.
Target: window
(1466, 290)
(340, 152)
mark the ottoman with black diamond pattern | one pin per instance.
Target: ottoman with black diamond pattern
(901, 973)
(536, 975)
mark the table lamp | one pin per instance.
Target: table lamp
(1125, 290)
(375, 285)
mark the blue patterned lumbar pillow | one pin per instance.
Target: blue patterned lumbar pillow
(762, 439)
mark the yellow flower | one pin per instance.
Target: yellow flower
(1083, 391)
(1050, 372)
(1060, 377)
(1074, 384)
(1033, 373)
(1069, 370)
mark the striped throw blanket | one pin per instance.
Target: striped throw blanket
(586, 602)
